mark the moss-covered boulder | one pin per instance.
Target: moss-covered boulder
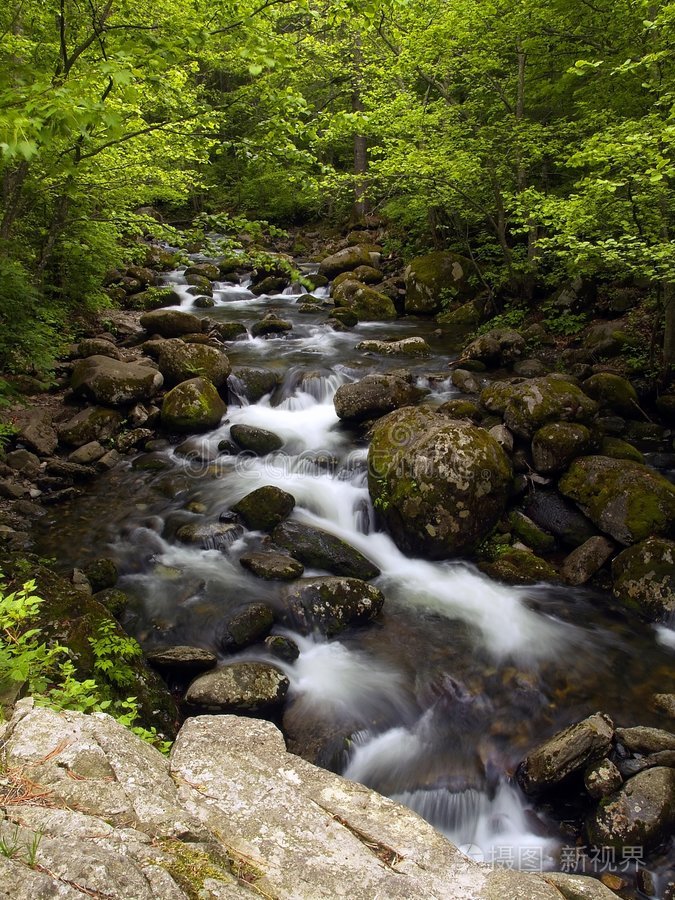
(345, 261)
(101, 573)
(640, 814)
(97, 347)
(251, 383)
(210, 535)
(114, 383)
(210, 271)
(373, 396)
(153, 298)
(412, 347)
(179, 361)
(321, 550)
(434, 278)
(271, 324)
(461, 409)
(264, 508)
(272, 566)
(498, 347)
(519, 567)
(193, 405)
(528, 406)
(367, 303)
(526, 530)
(345, 316)
(555, 446)
(439, 484)
(643, 578)
(463, 319)
(329, 605)
(228, 331)
(612, 392)
(95, 423)
(619, 449)
(256, 440)
(626, 500)
(169, 323)
(244, 626)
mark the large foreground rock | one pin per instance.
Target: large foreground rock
(114, 383)
(373, 396)
(193, 405)
(644, 578)
(625, 499)
(230, 815)
(431, 279)
(368, 304)
(329, 605)
(440, 484)
(321, 550)
(640, 814)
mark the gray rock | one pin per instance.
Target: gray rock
(640, 814)
(179, 361)
(555, 445)
(271, 324)
(264, 508)
(247, 687)
(87, 454)
(373, 396)
(330, 604)
(182, 659)
(344, 261)
(412, 346)
(170, 323)
(92, 424)
(319, 549)
(272, 566)
(255, 440)
(645, 740)
(35, 429)
(210, 535)
(467, 382)
(579, 887)
(245, 626)
(499, 347)
(583, 562)
(23, 461)
(558, 516)
(114, 383)
(503, 437)
(643, 578)
(96, 347)
(249, 383)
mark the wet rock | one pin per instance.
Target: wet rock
(113, 383)
(526, 530)
(193, 405)
(519, 567)
(204, 302)
(264, 508)
(602, 779)
(256, 440)
(241, 687)
(612, 393)
(179, 361)
(210, 535)
(344, 261)
(228, 331)
(368, 304)
(170, 323)
(498, 347)
(199, 285)
(431, 278)
(555, 445)
(272, 566)
(412, 346)
(329, 604)
(249, 383)
(320, 550)
(183, 660)
(270, 324)
(108, 461)
(640, 814)
(128, 441)
(102, 573)
(373, 396)
(583, 562)
(646, 436)
(617, 449)
(151, 462)
(244, 626)
(528, 406)
(345, 316)
(467, 382)
(566, 753)
(626, 500)
(210, 271)
(282, 647)
(87, 454)
(152, 298)
(558, 516)
(645, 740)
(440, 485)
(24, 462)
(272, 284)
(35, 430)
(461, 409)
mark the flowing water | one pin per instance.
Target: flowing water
(436, 702)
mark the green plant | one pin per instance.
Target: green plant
(112, 654)
(565, 323)
(510, 318)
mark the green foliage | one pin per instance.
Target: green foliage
(510, 318)
(564, 322)
(13, 847)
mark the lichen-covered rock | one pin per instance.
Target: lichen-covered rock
(244, 626)
(367, 303)
(171, 323)
(500, 347)
(613, 392)
(578, 887)
(439, 484)
(566, 753)
(640, 814)
(462, 320)
(467, 382)
(272, 566)
(554, 446)
(412, 346)
(264, 508)
(227, 331)
(461, 409)
(643, 578)
(431, 278)
(193, 405)
(583, 562)
(321, 550)
(373, 396)
(528, 406)
(642, 739)
(605, 339)
(250, 383)
(179, 361)
(245, 687)
(114, 383)
(626, 500)
(602, 778)
(330, 604)
(519, 567)
(345, 261)
(256, 440)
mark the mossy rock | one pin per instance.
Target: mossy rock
(111, 382)
(170, 323)
(440, 484)
(464, 318)
(555, 446)
(179, 361)
(498, 347)
(153, 298)
(528, 406)
(95, 423)
(210, 271)
(256, 440)
(264, 508)
(519, 567)
(345, 261)
(461, 409)
(530, 533)
(345, 316)
(101, 573)
(193, 405)
(245, 626)
(617, 449)
(612, 392)
(644, 578)
(368, 304)
(229, 331)
(321, 550)
(435, 277)
(272, 566)
(626, 500)
(252, 383)
(329, 605)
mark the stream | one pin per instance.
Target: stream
(435, 703)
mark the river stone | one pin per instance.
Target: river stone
(183, 660)
(24, 462)
(97, 347)
(170, 323)
(602, 778)
(466, 381)
(199, 285)
(345, 316)
(270, 324)
(365, 302)
(264, 508)
(440, 485)
(412, 346)
(519, 567)
(227, 331)
(245, 687)
(344, 261)
(373, 396)
(528, 406)
(114, 600)
(558, 516)
(566, 753)
(272, 284)
(193, 405)
(583, 562)
(645, 740)
(210, 271)
(624, 499)
(282, 647)
(210, 535)
(272, 566)
(255, 440)
(462, 409)
(644, 578)
(432, 278)
(555, 445)
(114, 383)
(498, 347)
(179, 361)
(640, 814)
(318, 549)
(367, 274)
(459, 322)
(612, 392)
(244, 626)
(87, 454)
(329, 604)
(249, 383)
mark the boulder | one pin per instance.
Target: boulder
(367, 274)
(272, 566)
(24, 462)
(171, 323)
(645, 740)
(244, 626)
(583, 562)
(461, 409)
(36, 431)
(436, 278)
(374, 396)
(319, 549)
(639, 814)
(412, 346)
(270, 324)
(242, 687)
(526, 530)
(345, 316)
(114, 383)
(179, 361)
(643, 578)
(329, 605)
(612, 392)
(193, 405)
(605, 339)
(151, 299)
(249, 383)
(463, 319)
(368, 304)
(440, 485)
(210, 271)
(101, 573)
(271, 284)
(615, 448)
(559, 517)
(87, 453)
(264, 508)
(528, 406)
(578, 887)
(530, 368)
(519, 567)
(97, 347)
(467, 382)
(498, 347)
(255, 440)
(210, 535)
(602, 778)
(182, 660)
(345, 261)
(567, 753)
(626, 500)
(554, 446)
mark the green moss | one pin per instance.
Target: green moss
(519, 567)
(191, 866)
(617, 449)
(531, 534)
